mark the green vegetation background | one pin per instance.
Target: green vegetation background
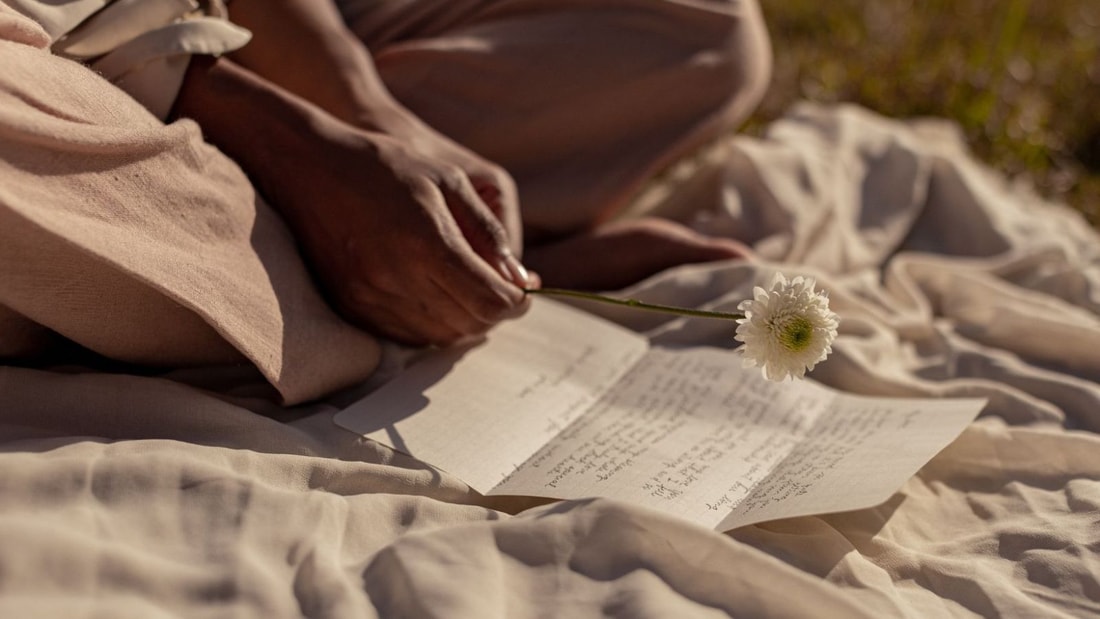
(1021, 77)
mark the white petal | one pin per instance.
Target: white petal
(766, 329)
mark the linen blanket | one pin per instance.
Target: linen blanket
(193, 494)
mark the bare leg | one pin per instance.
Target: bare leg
(625, 252)
(581, 102)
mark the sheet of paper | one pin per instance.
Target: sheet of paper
(692, 433)
(562, 404)
(481, 410)
(686, 431)
(857, 455)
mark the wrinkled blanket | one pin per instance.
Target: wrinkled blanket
(191, 495)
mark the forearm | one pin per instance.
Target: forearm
(259, 125)
(305, 47)
(400, 243)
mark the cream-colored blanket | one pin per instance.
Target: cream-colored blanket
(136, 496)
(192, 494)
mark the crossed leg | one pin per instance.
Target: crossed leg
(582, 102)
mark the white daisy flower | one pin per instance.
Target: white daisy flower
(787, 329)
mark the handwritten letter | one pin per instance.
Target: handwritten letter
(689, 432)
(861, 451)
(481, 411)
(561, 404)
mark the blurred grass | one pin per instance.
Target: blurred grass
(1021, 77)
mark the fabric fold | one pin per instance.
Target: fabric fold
(143, 243)
(142, 46)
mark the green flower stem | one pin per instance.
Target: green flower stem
(653, 307)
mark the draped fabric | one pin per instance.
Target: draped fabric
(192, 490)
(142, 46)
(142, 243)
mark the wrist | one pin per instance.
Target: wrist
(383, 114)
(271, 133)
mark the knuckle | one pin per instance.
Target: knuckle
(502, 177)
(452, 176)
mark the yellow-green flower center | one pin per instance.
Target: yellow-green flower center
(795, 333)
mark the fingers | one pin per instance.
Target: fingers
(498, 191)
(488, 291)
(418, 313)
(412, 249)
(480, 226)
(428, 285)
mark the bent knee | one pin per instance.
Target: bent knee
(754, 57)
(746, 54)
(728, 56)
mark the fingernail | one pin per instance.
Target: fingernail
(515, 270)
